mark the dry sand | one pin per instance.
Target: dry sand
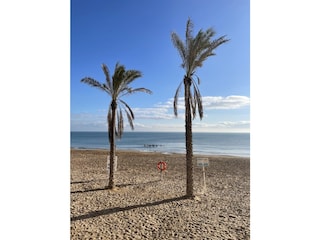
(145, 207)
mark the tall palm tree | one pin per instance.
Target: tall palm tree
(193, 52)
(117, 87)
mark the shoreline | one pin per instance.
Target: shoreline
(159, 152)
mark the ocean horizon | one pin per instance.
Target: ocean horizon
(233, 144)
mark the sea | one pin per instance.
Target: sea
(233, 144)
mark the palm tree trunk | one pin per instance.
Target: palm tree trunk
(112, 144)
(188, 135)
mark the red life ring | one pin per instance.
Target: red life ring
(162, 166)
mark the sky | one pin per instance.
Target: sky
(137, 34)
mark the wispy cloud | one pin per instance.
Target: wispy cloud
(89, 121)
(161, 116)
(229, 102)
(224, 126)
(165, 110)
(157, 112)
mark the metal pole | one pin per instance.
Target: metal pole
(204, 178)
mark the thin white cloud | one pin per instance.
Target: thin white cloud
(153, 113)
(88, 122)
(229, 102)
(223, 124)
(149, 118)
(165, 110)
(226, 126)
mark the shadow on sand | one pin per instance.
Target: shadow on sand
(106, 188)
(89, 190)
(87, 181)
(121, 209)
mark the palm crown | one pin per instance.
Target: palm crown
(117, 87)
(193, 53)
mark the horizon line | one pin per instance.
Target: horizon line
(164, 131)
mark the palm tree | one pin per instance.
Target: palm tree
(193, 53)
(117, 87)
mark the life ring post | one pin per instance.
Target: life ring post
(162, 166)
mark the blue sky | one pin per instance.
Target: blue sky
(138, 35)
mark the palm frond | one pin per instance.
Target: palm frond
(179, 45)
(197, 78)
(93, 83)
(208, 50)
(191, 48)
(127, 108)
(193, 106)
(129, 112)
(197, 43)
(117, 124)
(189, 29)
(201, 48)
(107, 74)
(216, 43)
(145, 90)
(197, 99)
(198, 62)
(176, 99)
(129, 90)
(130, 117)
(131, 75)
(107, 89)
(120, 123)
(117, 78)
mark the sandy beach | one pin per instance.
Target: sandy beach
(144, 206)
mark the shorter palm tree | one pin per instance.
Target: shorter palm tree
(117, 87)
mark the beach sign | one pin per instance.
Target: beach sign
(115, 163)
(202, 162)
